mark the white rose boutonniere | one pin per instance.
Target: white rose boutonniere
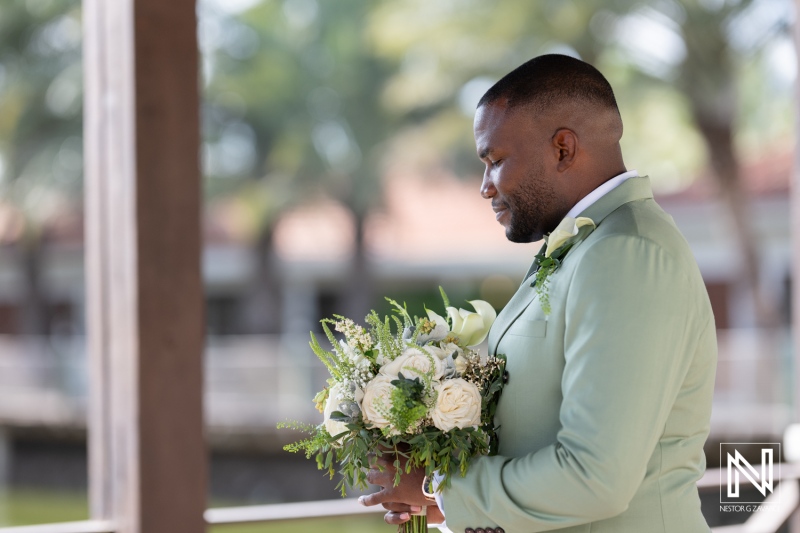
(560, 241)
(458, 405)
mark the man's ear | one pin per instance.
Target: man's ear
(565, 144)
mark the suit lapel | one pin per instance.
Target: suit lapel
(637, 188)
(518, 303)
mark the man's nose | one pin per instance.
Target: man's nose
(487, 188)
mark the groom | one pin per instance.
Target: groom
(610, 338)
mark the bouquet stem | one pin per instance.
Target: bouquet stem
(417, 524)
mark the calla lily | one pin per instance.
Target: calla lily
(567, 229)
(471, 328)
(485, 310)
(455, 319)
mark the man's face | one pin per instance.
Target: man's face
(516, 178)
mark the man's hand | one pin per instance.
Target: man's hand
(400, 513)
(402, 500)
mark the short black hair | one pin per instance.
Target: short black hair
(549, 80)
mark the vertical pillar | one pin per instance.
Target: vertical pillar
(145, 327)
(794, 522)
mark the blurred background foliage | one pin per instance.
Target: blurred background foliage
(306, 99)
(41, 149)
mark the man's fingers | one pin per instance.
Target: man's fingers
(401, 507)
(396, 518)
(373, 499)
(376, 477)
(381, 463)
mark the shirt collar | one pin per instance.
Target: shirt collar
(599, 192)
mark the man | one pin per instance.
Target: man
(611, 349)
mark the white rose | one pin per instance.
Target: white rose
(334, 427)
(377, 399)
(458, 405)
(413, 362)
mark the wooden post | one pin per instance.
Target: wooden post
(148, 459)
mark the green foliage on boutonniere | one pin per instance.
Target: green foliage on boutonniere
(547, 265)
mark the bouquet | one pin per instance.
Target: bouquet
(412, 387)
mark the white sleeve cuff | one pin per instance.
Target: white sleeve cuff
(437, 479)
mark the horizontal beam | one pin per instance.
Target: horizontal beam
(287, 511)
(86, 526)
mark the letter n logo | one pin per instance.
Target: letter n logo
(739, 469)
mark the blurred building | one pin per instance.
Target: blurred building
(428, 232)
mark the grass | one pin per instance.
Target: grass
(361, 524)
(36, 506)
(33, 506)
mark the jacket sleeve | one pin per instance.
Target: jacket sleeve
(631, 316)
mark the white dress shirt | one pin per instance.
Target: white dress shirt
(599, 192)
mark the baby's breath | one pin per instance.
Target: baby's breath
(355, 335)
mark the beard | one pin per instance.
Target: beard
(532, 207)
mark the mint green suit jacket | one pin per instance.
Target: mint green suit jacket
(607, 406)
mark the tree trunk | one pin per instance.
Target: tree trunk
(727, 172)
(356, 299)
(262, 308)
(707, 77)
(33, 313)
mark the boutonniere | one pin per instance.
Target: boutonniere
(567, 234)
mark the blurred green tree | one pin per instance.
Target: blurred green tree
(698, 47)
(41, 164)
(306, 98)
(292, 111)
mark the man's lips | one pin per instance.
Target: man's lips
(499, 211)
